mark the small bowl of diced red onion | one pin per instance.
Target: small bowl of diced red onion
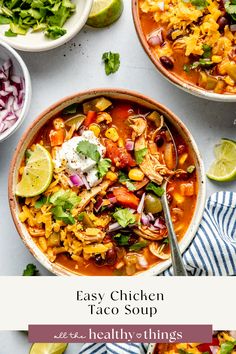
(15, 91)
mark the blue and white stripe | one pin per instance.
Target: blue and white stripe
(114, 348)
(213, 249)
(212, 252)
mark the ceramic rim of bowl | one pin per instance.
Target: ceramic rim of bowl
(182, 84)
(28, 91)
(80, 97)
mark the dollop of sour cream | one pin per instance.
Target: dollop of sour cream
(78, 163)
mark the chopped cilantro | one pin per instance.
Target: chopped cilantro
(138, 246)
(60, 214)
(81, 217)
(199, 4)
(155, 188)
(55, 32)
(112, 62)
(39, 15)
(187, 68)
(230, 8)
(123, 178)
(40, 202)
(227, 347)
(103, 167)
(89, 150)
(66, 199)
(139, 155)
(122, 240)
(124, 217)
(30, 270)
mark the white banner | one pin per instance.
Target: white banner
(117, 300)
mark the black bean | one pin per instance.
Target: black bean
(222, 22)
(99, 261)
(167, 62)
(169, 33)
(159, 140)
(111, 256)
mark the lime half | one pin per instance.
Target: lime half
(223, 168)
(48, 348)
(105, 12)
(37, 174)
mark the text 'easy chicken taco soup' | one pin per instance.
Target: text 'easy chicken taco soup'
(195, 40)
(90, 190)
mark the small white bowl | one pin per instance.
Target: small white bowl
(20, 69)
(38, 42)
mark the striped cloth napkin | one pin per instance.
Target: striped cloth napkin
(212, 252)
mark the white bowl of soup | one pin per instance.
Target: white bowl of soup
(101, 212)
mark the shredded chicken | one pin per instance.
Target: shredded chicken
(87, 195)
(149, 234)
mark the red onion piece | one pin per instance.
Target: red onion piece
(155, 38)
(129, 145)
(115, 226)
(214, 349)
(76, 180)
(85, 182)
(111, 197)
(141, 204)
(142, 262)
(145, 219)
(160, 223)
(11, 96)
(98, 204)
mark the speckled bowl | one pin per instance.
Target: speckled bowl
(169, 75)
(138, 98)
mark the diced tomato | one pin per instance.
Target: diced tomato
(126, 198)
(119, 156)
(90, 118)
(205, 347)
(121, 111)
(57, 137)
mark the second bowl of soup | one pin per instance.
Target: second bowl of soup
(86, 184)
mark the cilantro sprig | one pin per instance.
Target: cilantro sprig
(111, 61)
(123, 178)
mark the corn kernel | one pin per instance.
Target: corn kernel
(56, 227)
(216, 59)
(121, 143)
(229, 81)
(136, 174)
(111, 176)
(112, 134)
(95, 129)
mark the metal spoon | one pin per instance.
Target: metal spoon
(177, 260)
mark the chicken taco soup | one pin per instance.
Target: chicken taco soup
(90, 186)
(193, 40)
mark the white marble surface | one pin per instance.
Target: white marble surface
(77, 66)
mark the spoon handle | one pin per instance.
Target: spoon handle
(177, 260)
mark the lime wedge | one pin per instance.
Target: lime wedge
(223, 168)
(37, 174)
(105, 12)
(48, 348)
(75, 120)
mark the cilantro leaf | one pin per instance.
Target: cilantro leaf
(122, 240)
(66, 199)
(40, 202)
(230, 8)
(138, 246)
(155, 188)
(30, 270)
(123, 178)
(54, 32)
(4, 20)
(9, 33)
(112, 62)
(89, 150)
(124, 217)
(60, 214)
(103, 167)
(227, 347)
(139, 155)
(81, 217)
(199, 4)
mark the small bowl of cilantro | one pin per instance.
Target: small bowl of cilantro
(40, 25)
